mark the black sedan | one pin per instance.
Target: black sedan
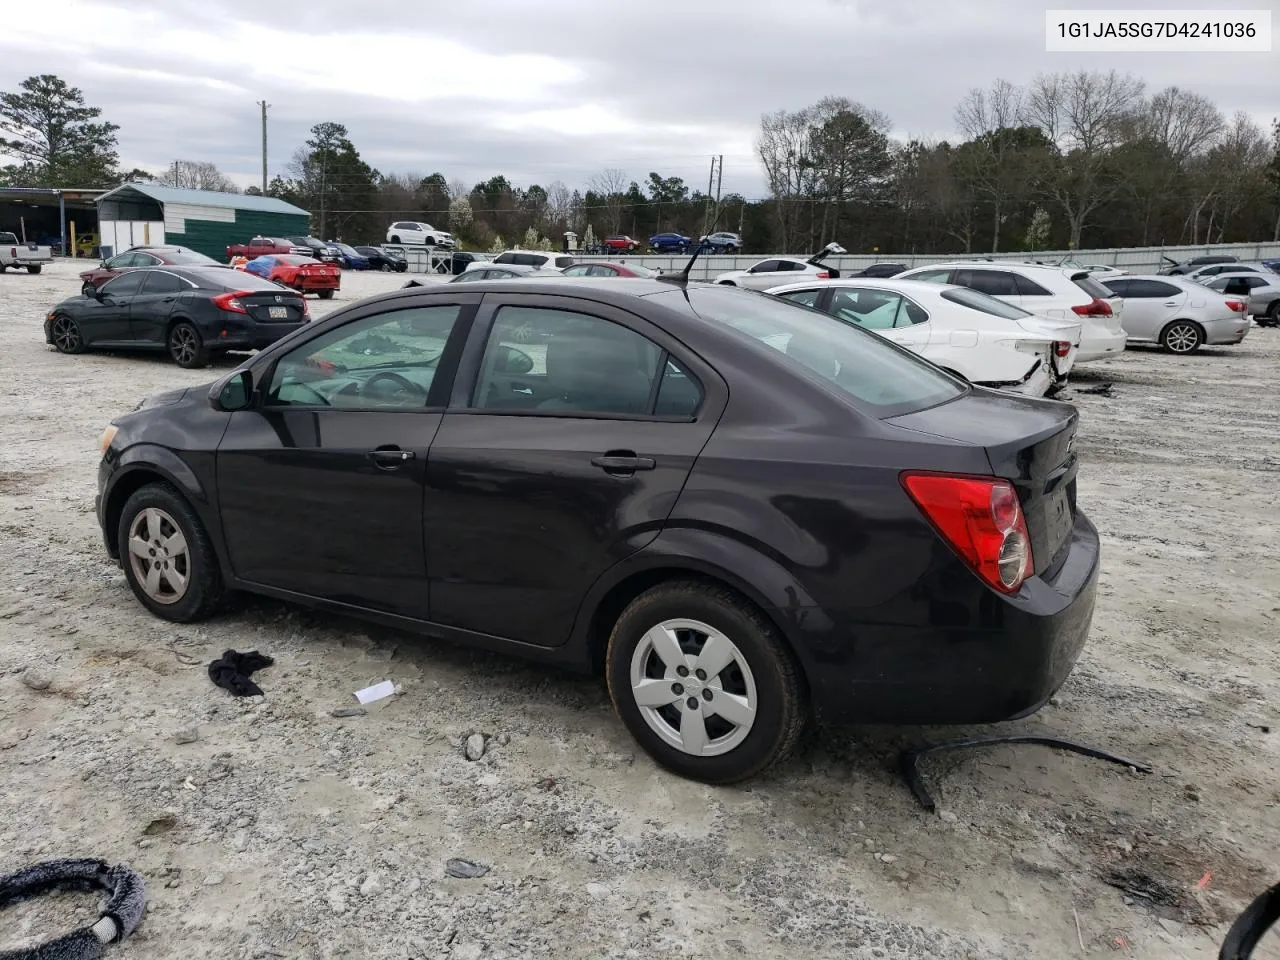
(735, 507)
(383, 260)
(192, 313)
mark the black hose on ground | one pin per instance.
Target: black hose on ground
(120, 915)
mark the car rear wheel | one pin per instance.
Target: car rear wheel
(704, 682)
(395, 238)
(87, 289)
(66, 334)
(325, 294)
(186, 346)
(34, 268)
(1273, 314)
(167, 557)
(1181, 337)
(727, 283)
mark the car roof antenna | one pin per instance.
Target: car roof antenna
(682, 277)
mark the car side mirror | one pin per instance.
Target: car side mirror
(512, 362)
(234, 392)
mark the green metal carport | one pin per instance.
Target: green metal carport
(134, 214)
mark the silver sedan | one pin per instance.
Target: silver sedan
(1263, 293)
(1179, 314)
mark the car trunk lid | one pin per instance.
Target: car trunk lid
(267, 307)
(1030, 443)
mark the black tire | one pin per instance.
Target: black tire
(87, 289)
(727, 283)
(1273, 314)
(186, 347)
(67, 337)
(325, 294)
(385, 268)
(395, 238)
(34, 268)
(3, 267)
(204, 587)
(1182, 337)
(782, 704)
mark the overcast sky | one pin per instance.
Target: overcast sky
(541, 90)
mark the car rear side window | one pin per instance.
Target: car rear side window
(806, 298)
(931, 276)
(1146, 289)
(1028, 287)
(995, 283)
(540, 360)
(884, 379)
(383, 361)
(160, 281)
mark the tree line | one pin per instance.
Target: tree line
(1070, 160)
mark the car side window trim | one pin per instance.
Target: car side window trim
(711, 388)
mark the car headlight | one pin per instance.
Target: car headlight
(109, 434)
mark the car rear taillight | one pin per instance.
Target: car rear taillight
(824, 275)
(229, 303)
(1236, 306)
(1097, 307)
(1061, 348)
(981, 519)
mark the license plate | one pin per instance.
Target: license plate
(278, 313)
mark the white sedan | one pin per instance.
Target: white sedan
(986, 341)
(775, 270)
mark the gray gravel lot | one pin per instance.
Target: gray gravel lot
(283, 831)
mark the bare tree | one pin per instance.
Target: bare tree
(610, 186)
(1086, 115)
(559, 206)
(785, 150)
(1235, 171)
(458, 188)
(1000, 162)
(197, 175)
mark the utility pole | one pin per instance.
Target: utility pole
(263, 104)
(175, 173)
(719, 180)
(706, 207)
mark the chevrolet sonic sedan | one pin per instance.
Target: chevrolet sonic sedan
(743, 512)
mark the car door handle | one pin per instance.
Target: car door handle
(390, 458)
(1171, 303)
(623, 462)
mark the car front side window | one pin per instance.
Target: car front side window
(125, 285)
(387, 360)
(556, 361)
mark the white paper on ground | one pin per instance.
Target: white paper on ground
(379, 690)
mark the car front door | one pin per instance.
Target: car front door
(572, 428)
(320, 483)
(150, 310)
(106, 317)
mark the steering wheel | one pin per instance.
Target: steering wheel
(403, 383)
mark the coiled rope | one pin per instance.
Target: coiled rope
(126, 901)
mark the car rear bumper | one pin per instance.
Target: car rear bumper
(251, 335)
(1097, 342)
(995, 658)
(1226, 331)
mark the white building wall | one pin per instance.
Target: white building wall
(120, 235)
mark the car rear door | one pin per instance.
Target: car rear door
(150, 309)
(320, 483)
(570, 433)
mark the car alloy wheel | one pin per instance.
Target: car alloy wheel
(66, 335)
(185, 346)
(1182, 337)
(694, 687)
(159, 556)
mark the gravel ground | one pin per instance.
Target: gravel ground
(283, 831)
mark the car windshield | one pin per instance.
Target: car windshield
(880, 375)
(349, 251)
(975, 300)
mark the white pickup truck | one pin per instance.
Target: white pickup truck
(15, 254)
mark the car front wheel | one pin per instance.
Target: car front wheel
(705, 683)
(66, 334)
(167, 557)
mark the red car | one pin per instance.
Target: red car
(606, 269)
(143, 257)
(301, 273)
(625, 244)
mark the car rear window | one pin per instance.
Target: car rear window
(224, 278)
(1092, 287)
(883, 378)
(983, 303)
(190, 257)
